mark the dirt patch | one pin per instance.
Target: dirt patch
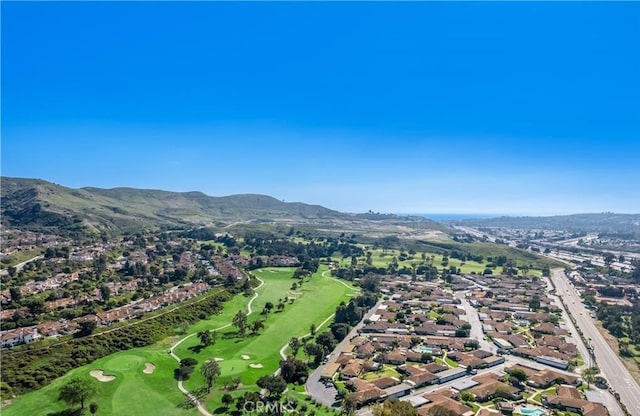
(245, 356)
(149, 368)
(258, 365)
(101, 376)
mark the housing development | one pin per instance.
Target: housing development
(336, 314)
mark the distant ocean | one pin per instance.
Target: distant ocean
(454, 217)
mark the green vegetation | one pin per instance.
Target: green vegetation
(537, 397)
(41, 205)
(122, 395)
(34, 366)
(19, 257)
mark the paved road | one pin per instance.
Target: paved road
(476, 326)
(316, 389)
(609, 363)
(19, 266)
(574, 335)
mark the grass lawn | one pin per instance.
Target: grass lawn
(475, 406)
(19, 256)
(387, 371)
(382, 258)
(550, 390)
(136, 393)
(315, 301)
(123, 396)
(446, 361)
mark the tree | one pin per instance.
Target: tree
(340, 331)
(394, 407)
(294, 344)
(227, 399)
(77, 391)
(240, 322)
(349, 404)
(205, 338)
(327, 340)
(502, 391)
(93, 408)
(467, 396)
(210, 370)
(105, 292)
(256, 326)
(312, 350)
(86, 328)
(15, 293)
(35, 306)
(185, 369)
(275, 385)
(294, 371)
(609, 258)
(589, 375)
(534, 303)
(519, 375)
(312, 329)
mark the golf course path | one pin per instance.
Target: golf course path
(338, 280)
(249, 310)
(186, 392)
(323, 323)
(308, 334)
(284, 348)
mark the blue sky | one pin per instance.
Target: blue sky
(506, 108)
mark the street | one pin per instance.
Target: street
(606, 359)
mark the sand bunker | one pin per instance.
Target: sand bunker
(218, 359)
(256, 365)
(149, 369)
(100, 376)
(245, 357)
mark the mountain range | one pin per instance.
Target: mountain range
(41, 205)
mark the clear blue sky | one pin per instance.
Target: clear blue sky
(517, 108)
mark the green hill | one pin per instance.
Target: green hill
(34, 203)
(40, 205)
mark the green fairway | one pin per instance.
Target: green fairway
(314, 302)
(131, 393)
(382, 258)
(136, 393)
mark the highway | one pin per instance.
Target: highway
(606, 359)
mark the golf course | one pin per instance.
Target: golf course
(141, 381)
